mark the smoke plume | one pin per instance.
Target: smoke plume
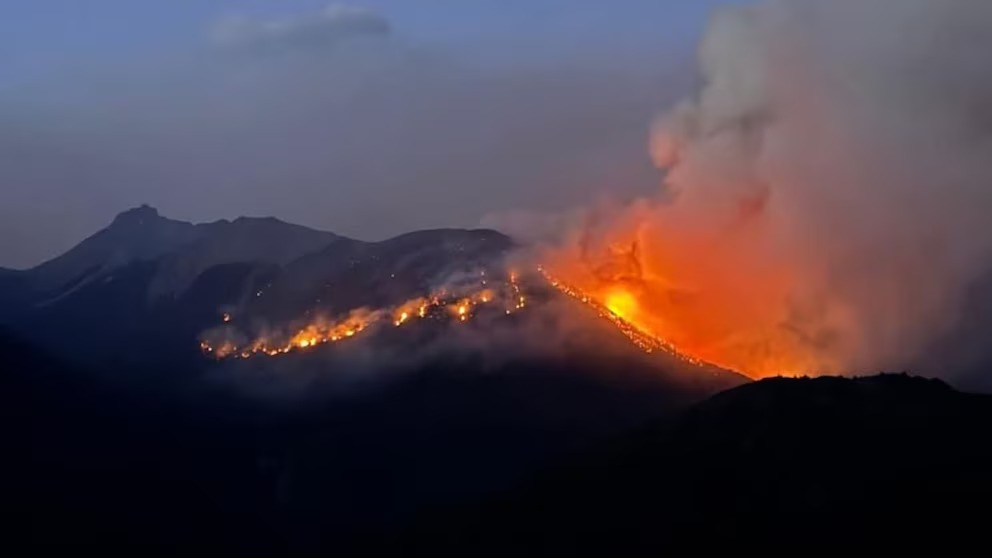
(825, 205)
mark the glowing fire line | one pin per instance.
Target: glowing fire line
(322, 332)
(459, 307)
(644, 340)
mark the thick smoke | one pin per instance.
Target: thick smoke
(827, 191)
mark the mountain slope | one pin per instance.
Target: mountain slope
(132, 284)
(260, 241)
(142, 290)
(12, 288)
(777, 463)
(137, 235)
(180, 250)
(348, 275)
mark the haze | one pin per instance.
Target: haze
(367, 119)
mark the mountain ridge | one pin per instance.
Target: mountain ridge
(144, 269)
(142, 234)
(778, 463)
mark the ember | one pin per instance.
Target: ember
(322, 331)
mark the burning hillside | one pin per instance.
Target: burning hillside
(503, 297)
(459, 304)
(719, 321)
(617, 309)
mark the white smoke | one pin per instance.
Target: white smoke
(848, 143)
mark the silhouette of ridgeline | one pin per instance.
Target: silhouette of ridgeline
(787, 463)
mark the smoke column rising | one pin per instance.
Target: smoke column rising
(827, 192)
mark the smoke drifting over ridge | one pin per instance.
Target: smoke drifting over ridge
(827, 193)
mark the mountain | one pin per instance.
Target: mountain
(348, 275)
(781, 463)
(261, 241)
(537, 432)
(11, 288)
(126, 423)
(137, 235)
(181, 251)
(142, 290)
(140, 278)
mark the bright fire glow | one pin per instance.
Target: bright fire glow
(322, 331)
(712, 305)
(618, 304)
(640, 337)
(621, 303)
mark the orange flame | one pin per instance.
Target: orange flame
(699, 294)
(319, 332)
(627, 304)
(643, 339)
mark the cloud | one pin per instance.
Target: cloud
(317, 30)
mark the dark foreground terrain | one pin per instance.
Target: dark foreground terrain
(424, 468)
(793, 464)
(90, 461)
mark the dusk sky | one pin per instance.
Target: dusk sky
(369, 119)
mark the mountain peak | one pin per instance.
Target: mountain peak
(138, 234)
(137, 215)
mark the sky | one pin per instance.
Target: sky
(368, 118)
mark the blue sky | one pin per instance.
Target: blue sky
(44, 36)
(463, 110)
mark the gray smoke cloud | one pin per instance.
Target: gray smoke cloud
(836, 169)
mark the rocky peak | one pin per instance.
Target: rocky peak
(137, 216)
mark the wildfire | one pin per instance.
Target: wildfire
(321, 331)
(621, 302)
(618, 305)
(461, 309)
(708, 305)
